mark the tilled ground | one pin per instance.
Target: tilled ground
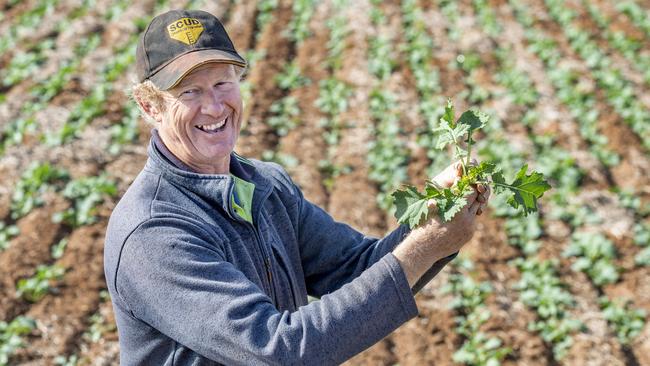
(64, 316)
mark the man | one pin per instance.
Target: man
(209, 256)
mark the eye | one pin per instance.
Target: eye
(189, 92)
(222, 84)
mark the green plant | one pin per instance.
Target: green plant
(32, 184)
(290, 77)
(86, 194)
(286, 115)
(469, 301)
(126, 131)
(66, 361)
(627, 322)
(59, 248)
(298, 28)
(542, 290)
(11, 336)
(7, 232)
(98, 326)
(34, 288)
(595, 255)
(412, 206)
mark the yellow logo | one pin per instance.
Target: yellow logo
(186, 30)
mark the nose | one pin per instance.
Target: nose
(212, 104)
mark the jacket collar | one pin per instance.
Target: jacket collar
(213, 188)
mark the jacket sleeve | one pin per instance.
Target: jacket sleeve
(173, 277)
(333, 253)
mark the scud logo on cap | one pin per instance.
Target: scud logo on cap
(186, 30)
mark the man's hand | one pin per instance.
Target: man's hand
(451, 174)
(436, 239)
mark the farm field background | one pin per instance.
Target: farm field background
(345, 95)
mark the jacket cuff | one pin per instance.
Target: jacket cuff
(401, 285)
(432, 272)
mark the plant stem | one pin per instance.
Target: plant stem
(469, 146)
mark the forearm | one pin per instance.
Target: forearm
(416, 255)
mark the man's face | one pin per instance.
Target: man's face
(201, 122)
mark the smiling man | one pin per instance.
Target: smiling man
(210, 256)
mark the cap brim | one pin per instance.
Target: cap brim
(172, 73)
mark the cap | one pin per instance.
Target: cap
(179, 41)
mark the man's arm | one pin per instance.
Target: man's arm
(175, 279)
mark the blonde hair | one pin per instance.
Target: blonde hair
(147, 92)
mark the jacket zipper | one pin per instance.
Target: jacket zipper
(267, 260)
(260, 245)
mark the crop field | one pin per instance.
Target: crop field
(346, 94)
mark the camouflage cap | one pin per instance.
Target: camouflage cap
(179, 41)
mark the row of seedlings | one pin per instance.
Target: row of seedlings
(478, 347)
(618, 91)
(540, 287)
(263, 15)
(334, 95)
(286, 110)
(25, 65)
(637, 14)
(629, 47)
(594, 251)
(387, 156)
(469, 303)
(419, 47)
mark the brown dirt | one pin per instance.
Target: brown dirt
(354, 189)
(306, 142)
(26, 252)
(258, 136)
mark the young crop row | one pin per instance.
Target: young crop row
(618, 91)
(334, 95)
(387, 155)
(626, 45)
(286, 111)
(639, 16)
(418, 48)
(478, 348)
(93, 105)
(469, 303)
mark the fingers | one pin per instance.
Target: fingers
(474, 207)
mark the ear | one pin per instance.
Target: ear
(149, 109)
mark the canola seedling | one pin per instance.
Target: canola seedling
(412, 206)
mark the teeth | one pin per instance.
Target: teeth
(212, 127)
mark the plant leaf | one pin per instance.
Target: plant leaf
(449, 114)
(473, 119)
(527, 189)
(410, 206)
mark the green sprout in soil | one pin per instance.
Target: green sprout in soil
(412, 205)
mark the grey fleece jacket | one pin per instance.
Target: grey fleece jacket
(193, 284)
